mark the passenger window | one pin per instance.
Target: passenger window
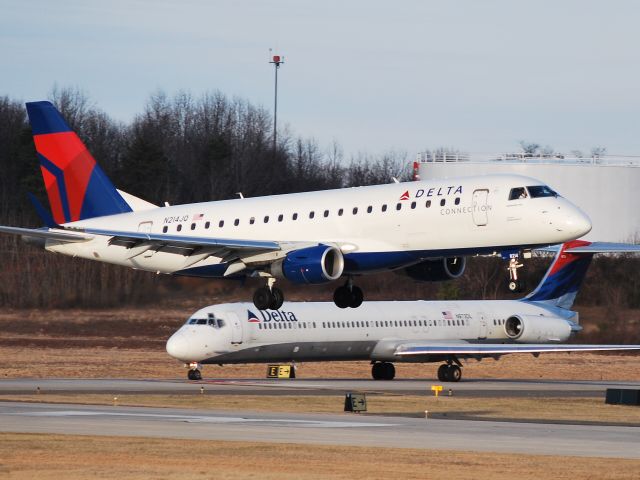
(252, 220)
(193, 226)
(207, 225)
(384, 207)
(428, 204)
(355, 210)
(326, 213)
(457, 201)
(340, 212)
(280, 217)
(221, 224)
(442, 202)
(164, 229)
(517, 193)
(266, 219)
(179, 228)
(369, 209)
(294, 216)
(413, 205)
(236, 222)
(312, 214)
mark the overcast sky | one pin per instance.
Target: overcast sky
(372, 75)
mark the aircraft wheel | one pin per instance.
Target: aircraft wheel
(376, 371)
(194, 375)
(443, 370)
(262, 298)
(277, 298)
(455, 373)
(516, 286)
(389, 371)
(342, 298)
(356, 297)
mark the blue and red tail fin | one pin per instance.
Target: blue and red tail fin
(562, 281)
(76, 185)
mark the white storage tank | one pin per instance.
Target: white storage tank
(605, 187)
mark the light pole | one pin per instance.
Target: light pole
(277, 60)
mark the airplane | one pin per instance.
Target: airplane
(384, 332)
(420, 229)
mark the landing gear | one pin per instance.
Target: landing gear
(194, 374)
(515, 284)
(348, 295)
(383, 371)
(268, 297)
(449, 373)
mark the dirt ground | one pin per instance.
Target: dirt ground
(28, 456)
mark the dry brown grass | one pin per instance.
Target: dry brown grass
(522, 408)
(28, 456)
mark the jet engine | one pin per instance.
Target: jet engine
(537, 329)
(317, 264)
(436, 270)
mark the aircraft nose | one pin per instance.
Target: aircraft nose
(178, 346)
(578, 223)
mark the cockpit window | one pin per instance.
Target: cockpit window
(537, 191)
(202, 321)
(518, 193)
(192, 321)
(211, 321)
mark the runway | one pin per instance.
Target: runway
(344, 429)
(471, 388)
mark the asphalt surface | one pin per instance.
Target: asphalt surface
(344, 429)
(470, 388)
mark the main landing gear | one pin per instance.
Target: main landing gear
(383, 371)
(348, 295)
(268, 297)
(449, 372)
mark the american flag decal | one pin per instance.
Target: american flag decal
(198, 216)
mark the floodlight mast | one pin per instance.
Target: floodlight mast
(276, 60)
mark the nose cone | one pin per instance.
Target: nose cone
(578, 223)
(178, 347)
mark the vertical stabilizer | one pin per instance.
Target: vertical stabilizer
(76, 185)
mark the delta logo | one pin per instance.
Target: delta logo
(252, 317)
(433, 192)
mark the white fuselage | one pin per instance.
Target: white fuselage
(376, 227)
(316, 331)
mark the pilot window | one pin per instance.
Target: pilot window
(517, 193)
(538, 191)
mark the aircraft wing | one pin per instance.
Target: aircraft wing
(487, 349)
(48, 233)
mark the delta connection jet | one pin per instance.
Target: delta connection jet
(407, 331)
(420, 229)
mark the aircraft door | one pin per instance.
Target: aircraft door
(236, 327)
(145, 227)
(482, 326)
(479, 207)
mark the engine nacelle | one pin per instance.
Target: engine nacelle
(537, 329)
(317, 264)
(436, 270)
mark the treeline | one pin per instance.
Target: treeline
(185, 149)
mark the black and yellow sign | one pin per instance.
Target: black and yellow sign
(281, 371)
(355, 402)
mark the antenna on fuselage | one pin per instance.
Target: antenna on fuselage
(240, 194)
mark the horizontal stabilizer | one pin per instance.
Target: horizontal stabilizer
(50, 234)
(595, 247)
(136, 204)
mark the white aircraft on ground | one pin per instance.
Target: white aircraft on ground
(407, 331)
(422, 229)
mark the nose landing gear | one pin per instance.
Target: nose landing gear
(515, 284)
(194, 371)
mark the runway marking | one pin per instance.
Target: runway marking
(207, 419)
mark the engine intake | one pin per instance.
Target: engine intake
(319, 264)
(537, 329)
(437, 270)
